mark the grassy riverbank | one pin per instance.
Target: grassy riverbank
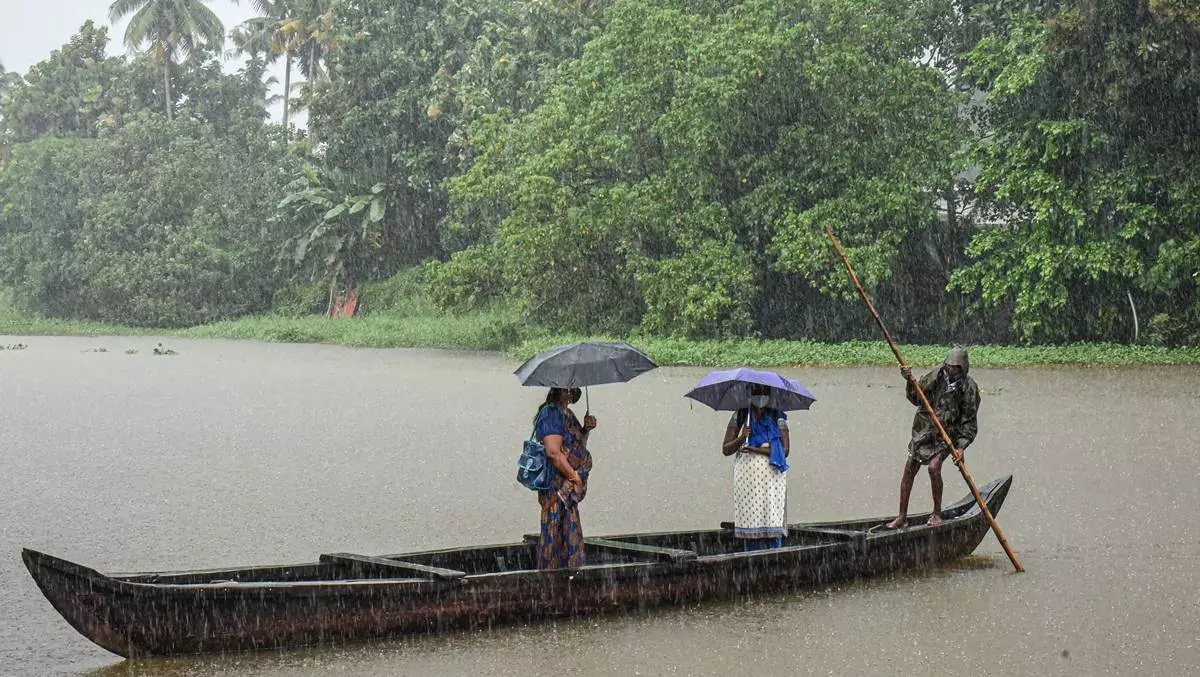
(409, 321)
(491, 332)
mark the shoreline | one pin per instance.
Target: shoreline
(487, 334)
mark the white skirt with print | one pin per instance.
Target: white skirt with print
(759, 497)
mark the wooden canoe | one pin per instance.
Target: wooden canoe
(345, 597)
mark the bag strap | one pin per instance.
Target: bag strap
(536, 418)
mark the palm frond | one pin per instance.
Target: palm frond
(264, 7)
(194, 23)
(120, 8)
(144, 27)
(208, 24)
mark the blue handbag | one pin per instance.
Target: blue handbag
(533, 468)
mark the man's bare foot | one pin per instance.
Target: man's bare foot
(898, 523)
(934, 520)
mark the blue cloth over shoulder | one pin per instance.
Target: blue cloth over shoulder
(764, 430)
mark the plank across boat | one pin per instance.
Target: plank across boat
(346, 597)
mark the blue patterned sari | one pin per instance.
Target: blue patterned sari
(561, 543)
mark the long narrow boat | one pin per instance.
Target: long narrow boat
(344, 597)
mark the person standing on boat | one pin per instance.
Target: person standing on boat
(561, 542)
(955, 398)
(760, 467)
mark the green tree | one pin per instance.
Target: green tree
(77, 90)
(171, 27)
(253, 40)
(380, 119)
(157, 223)
(1089, 142)
(338, 238)
(7, 81)
(694, 151)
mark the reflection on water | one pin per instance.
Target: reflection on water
(238, 453)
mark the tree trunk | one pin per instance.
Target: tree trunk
(287, 86)
(167, 82)
(329, 306)
(311, 80)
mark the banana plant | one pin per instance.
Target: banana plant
(340, 226)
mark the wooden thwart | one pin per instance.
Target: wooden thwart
(662, 554)
(838, 534)
(367, 562)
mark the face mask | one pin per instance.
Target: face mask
(760, 401)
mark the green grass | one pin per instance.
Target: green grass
(778, 353)
(398, 315)
(483, 331)
(14, 324)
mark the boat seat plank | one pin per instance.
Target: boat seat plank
(394, 565)
(662, 554)
(842, 534)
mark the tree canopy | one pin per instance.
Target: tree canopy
(999, 171)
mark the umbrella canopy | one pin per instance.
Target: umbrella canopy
(588, 363)
(730, 390)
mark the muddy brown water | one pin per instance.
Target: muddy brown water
(238, 453)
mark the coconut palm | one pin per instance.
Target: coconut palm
(171, 27)
(302, 32)
(310, 29)
(253, 40)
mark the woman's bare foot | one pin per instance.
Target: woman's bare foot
(934, 520)
(898, 523)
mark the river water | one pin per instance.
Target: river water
(238, 453)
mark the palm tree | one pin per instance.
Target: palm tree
(253, 39)
(170, 26)
(310, 29)
(308, 34)
(301, 31)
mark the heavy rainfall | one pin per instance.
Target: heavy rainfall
(284, 286)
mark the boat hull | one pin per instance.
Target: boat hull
(265, 608)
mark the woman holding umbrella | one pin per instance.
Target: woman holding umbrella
(564, 368)
(758, 434)
(759, 471)
(561, 543)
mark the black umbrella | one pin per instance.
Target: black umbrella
(589, 363)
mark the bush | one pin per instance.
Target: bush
(471, 280)
(402, 294)
(298, 300)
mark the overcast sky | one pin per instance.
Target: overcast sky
(31, 29)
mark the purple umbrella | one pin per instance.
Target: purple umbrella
(730, 390)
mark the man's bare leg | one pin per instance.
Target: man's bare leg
(906, 483)
(935, 482)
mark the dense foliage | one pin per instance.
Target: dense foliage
(999, 170)
(112, 212)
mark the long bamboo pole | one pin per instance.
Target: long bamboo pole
(958, 460)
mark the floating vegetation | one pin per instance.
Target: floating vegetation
(96, 350)
(131, 351)
(14, 346)
(160, 350)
